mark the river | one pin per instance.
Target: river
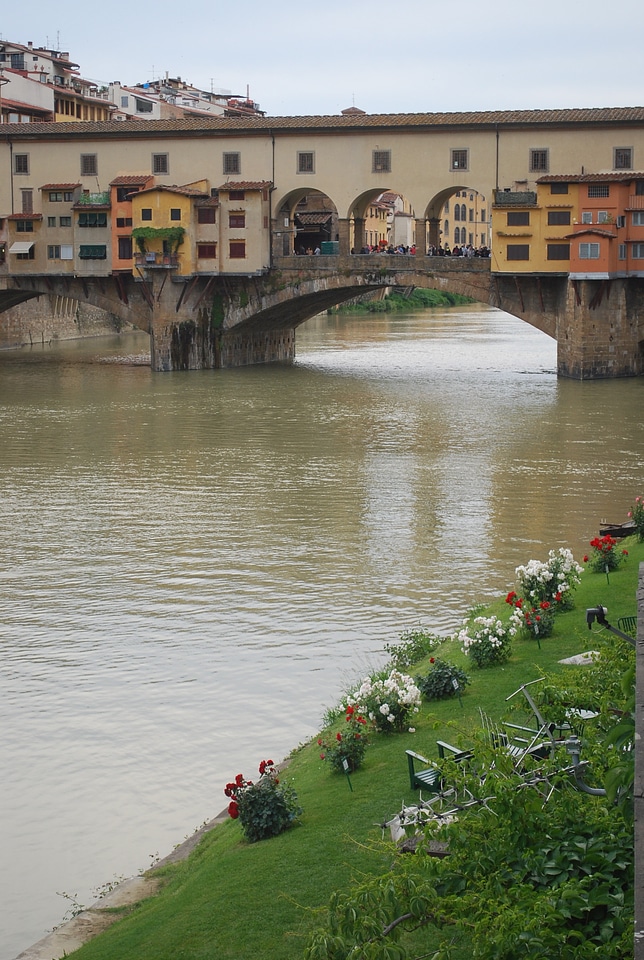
(195, 565)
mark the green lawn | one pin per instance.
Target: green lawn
(236, 900)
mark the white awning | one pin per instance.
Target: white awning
(21, 246)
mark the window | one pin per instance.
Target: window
(232, 163)
(21, 163)
(518, 251)
(146, 213)
(175, 213)
(66, 251)
(124, 221)
(305, 162)
(621, 221)
(539, 162)
(463, 212)
(558, 188)
(518, 218)
(206, 215)
(621, 251)
(381, 161)
(25, 226)
(237, 250)
(623, 158)
(27, 201)
(639, 188)
(88, 165)
(638, 218)
(587, 216)
(65, 221)
(51, 221)
(53, 252)
(457, 211)
(459, 160)
(55, 196)
(29, 255)
(125, 248)
(638, 251)
(160, 163)
(589, 251)
(471, 212)
(236, 195)
(602, 216)
(558, 251)
(125, 101)
(93, 251)
(123, 194)
(558, 218)
(92, 219)
(483, 214)
(237, 220)
(598, 189)
(207, 251)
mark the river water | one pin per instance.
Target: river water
(194, 565)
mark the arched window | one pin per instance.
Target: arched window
(446, 228)
(457, 234)
(457, 211)
(463, 212)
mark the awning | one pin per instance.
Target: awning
(21, 246)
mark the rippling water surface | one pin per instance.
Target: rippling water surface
(194, 565)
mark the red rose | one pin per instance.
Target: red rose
(233, 809)
(338, 737)
(585, 558)
(432, 660)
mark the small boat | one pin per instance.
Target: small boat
(616, 530)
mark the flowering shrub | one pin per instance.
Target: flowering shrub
(414, 645)
(554, 581)
(439, 682)
(538, 620)
(349, 746)
(487, 641)
(264, 808)
(605, 557)
(637, 516)
(389, 702)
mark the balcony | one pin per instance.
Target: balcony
(160, 261)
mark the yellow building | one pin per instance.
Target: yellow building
(531, 229)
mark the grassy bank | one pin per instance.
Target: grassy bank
(232, 899)
(418, 299)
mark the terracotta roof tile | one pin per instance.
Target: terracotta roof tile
(25, 216)
(245, 185)
(255, 123)
(172, 188)
(131, 180)
(59, 186)
(625, 177)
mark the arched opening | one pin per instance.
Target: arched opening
(459, 217)
(382, 221)
(306, 224)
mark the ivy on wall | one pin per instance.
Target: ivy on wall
(174, 236)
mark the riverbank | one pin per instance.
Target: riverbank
(204, 903)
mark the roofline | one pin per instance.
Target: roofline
(256, 124)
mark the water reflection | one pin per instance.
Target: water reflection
(195, 564)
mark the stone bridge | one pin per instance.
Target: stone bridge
(214, 322)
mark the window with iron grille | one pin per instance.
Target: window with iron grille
(623, 159)
(558, 251)
(237, 249)
(160, 163)
(232, 163)
(518, 218)
(237, 220)
(539, 161)
(589, 251)
(518, 251)
(598, 189)
(21, 163)
(305, 162)
(459, 160)
(207, 251)
(381, 161)
(88, 165)
(206, 215)
(558, 218)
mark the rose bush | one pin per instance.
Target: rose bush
(487, 641)
(637, 516)
(439, 682)
(350, 745)
(538, 620)
(554, 581)
(265, 808)
(388, 701)
(605, 556)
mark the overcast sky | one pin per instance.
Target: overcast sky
(384, 56)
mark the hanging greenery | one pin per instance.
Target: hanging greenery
(174, 236)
